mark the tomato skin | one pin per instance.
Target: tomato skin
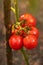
(12, 31)
(22, 33)
(34, 31)
(29, 19)
(16, 42)
(30, 42)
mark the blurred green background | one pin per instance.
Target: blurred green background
(35, 7)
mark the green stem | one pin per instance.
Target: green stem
(25, 56)
(17, 11)
(17, 19)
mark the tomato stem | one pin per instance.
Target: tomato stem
(25, 56)
(17, 11)
(17, 19)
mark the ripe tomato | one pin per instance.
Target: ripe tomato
(29, 20)
(34, 31)
(14, 31)
(30, 42)
(23, 33)
(16, 42)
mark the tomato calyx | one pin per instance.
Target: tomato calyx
(18, 29)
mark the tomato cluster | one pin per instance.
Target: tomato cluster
(24, 33)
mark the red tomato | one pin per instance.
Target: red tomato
(29, 19)
(30, 42)
(14, 31)
(16, 42)
(23, 33)
(34, 31)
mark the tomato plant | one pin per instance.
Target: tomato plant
(16, 41)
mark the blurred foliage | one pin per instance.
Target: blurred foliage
(34, 5)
